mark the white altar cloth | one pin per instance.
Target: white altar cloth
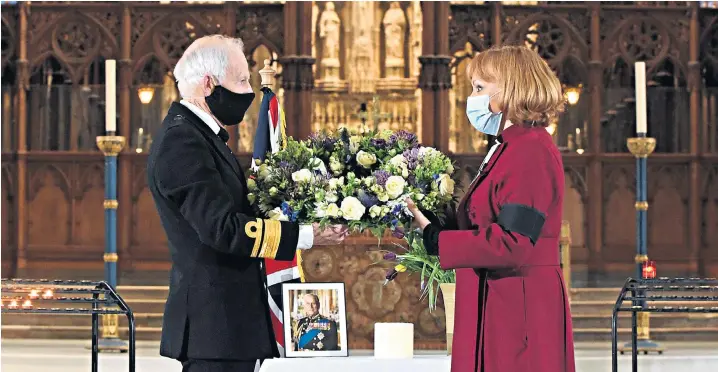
(420, 363)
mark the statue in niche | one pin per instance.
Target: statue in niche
(329, 27)
(394, 30)
(363, 71)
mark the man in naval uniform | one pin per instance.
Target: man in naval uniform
(315, 332)
(217, 313)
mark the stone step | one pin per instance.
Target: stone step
(603, 334)
(141, 320)
(658, 320)
(591, 307)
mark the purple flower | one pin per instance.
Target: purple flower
(398, 233)
(402, 135)
(390, 256)
(321, 141)
(367, 199)
(412, 158)
(381, 177)
(379, 143)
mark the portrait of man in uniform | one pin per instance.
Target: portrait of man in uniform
(315, 319)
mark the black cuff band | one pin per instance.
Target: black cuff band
(431, 239)
(523, 220)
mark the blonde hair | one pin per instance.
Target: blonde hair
(529, 90)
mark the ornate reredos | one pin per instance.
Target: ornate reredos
(367, 52)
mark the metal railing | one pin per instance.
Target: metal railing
(638, 293)
(93, 298)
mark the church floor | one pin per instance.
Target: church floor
(65, 356)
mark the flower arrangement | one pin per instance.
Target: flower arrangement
(360, 180)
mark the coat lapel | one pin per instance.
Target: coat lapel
(213, 138)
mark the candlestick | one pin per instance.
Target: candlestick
(393, 340)
(110, 95)
(641, 120)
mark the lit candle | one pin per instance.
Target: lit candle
(641, 120)
(110, 95)
(12, 304)
(33, 294)
(27, 304)
(47, 295)
(393, 340)
(649, 270)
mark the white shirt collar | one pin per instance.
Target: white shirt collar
(207, 118)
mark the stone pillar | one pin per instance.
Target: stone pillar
(435, 75)
(297, 74)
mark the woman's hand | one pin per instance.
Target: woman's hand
(419, 217)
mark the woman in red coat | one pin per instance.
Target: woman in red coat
(512, 309)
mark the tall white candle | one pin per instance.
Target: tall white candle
(641, 114)
(393, 340)
(110, 95)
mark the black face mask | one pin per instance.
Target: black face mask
(227, 106)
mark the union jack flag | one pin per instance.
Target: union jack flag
(270, 137)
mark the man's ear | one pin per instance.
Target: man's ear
(208, 84)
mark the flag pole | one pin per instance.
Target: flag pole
(267, 75)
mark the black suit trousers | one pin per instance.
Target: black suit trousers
(204, 365)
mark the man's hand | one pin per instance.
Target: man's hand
(419, 218)
(331, 235)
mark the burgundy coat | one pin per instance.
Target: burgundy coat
(512, 309)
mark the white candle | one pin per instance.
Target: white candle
(110, 95)
(393, 340)
(641, 120)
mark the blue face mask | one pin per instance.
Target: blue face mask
(480, 115)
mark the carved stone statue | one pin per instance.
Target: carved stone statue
(394, 31)
(329, 27)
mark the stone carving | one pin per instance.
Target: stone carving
(329, 28)
(362, 76)
(394, 30)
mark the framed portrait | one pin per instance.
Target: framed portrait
(315, 320)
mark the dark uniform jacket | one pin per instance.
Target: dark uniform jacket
(217, 305)
(316, 333)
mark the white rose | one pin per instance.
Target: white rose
(318, 164)
(395, 186)
(366, 159)
(398, 161)
(302, 175)
(352, 209)
(446, 185)
(278, 215)
(332, 210)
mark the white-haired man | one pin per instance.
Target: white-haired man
(217, 316)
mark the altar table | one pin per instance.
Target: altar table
(420, 363)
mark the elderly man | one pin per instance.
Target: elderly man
(217, 316)
(315, 332)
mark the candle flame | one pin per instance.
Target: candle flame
(34, 294)
(48, 294)
(27, 304)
